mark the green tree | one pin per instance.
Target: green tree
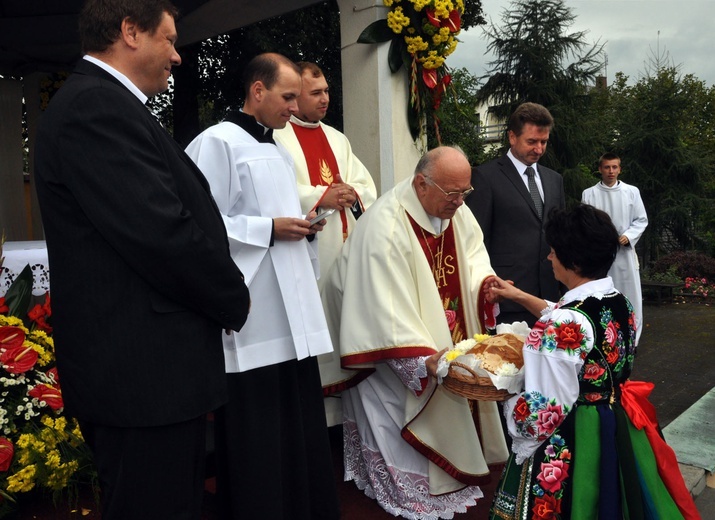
(208, 82)
(664, 135)
(533, 50)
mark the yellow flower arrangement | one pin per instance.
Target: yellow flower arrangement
(422, 34)
(40, 447)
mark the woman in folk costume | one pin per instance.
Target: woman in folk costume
(410, 282)
(585, 439)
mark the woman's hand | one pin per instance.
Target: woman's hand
(497, 289)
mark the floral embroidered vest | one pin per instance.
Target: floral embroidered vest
(611, 359)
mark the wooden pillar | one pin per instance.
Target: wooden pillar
(12, 192)
(34, 112)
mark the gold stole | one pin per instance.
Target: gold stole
(441, 255)
(322, 166)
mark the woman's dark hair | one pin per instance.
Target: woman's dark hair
(100, 21)
(584, 240)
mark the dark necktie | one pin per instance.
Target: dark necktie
(534, 191)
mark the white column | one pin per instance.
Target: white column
(374, 99)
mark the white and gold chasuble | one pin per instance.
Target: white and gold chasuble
(389, 307)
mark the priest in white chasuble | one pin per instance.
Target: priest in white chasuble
(328, 173)
(412, 280)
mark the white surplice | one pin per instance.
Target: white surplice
(352, 172)
(390, 308)
(253, 183)
(624, 205)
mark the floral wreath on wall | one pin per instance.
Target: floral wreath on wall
(422, 34)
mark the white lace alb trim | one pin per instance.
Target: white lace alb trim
(398, 492)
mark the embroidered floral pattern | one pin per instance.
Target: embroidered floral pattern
(538, 416)
(568, 336)
(455, 318)
(551, 480)
(600, 330)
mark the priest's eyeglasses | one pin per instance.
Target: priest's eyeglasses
(452, 196)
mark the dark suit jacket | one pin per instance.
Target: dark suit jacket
(513, 233)
(141, 278)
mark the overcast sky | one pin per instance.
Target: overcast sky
(630, 30)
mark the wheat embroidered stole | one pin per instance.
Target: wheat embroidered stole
(319, 157)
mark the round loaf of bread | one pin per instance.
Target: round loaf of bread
(494, 351)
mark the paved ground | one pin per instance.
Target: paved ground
(676, 353)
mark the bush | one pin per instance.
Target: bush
(686, 264)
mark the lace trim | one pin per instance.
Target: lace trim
(410, 371)
(40, 273)
(398, 492)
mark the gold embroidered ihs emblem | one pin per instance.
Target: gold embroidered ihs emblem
(325, 174)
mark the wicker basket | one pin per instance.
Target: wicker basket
(471, 385)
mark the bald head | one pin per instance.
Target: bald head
(441, 176)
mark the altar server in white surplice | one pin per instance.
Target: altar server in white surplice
(273, 449)
(329, 176)
(623, 204)
(411, 281)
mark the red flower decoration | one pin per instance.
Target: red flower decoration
(552, 475)
(53, 374)
(592, 397)
(3, 306)
(549, 419)
(546, 507)
(445, 81)
(7, 451)
(451, 318)
(429, 76)
(568, 336)
(521, 410)
(612, 356)
(40, 313)
(50, 394)
(11, 337)
(18, 360)
(611, 333)
(432, 17)
(535, 334)
(593, 371)
(454, 22)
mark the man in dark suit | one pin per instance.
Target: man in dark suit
(512, 199)
(142, 280)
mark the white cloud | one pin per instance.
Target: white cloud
(634, 31)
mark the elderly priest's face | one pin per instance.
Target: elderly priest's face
(444, 182)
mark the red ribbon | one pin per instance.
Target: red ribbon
(641, 412)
